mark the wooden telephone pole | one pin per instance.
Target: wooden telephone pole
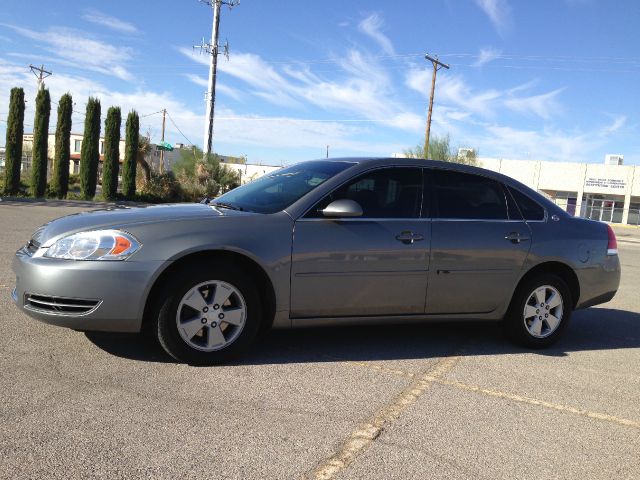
(164, 120)
(437, 65)
(40, 74)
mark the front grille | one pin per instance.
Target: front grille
(60, 305)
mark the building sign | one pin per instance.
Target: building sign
(609, 183)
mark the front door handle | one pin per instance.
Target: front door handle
(515, 237)
(407, 237)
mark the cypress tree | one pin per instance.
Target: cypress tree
(40, 143)
(111, 162)
(13, 145)
(90, 151)
(60, 181)
(130, 155)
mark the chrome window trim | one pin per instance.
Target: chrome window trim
(495, 220)
(364, 219)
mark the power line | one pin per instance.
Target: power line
(149, 114)
(178, 128)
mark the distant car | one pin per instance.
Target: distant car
(331, 242)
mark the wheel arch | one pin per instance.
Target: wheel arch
(247, 264)
(562, 270)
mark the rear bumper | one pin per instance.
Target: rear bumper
(119, 287)
(599, 283)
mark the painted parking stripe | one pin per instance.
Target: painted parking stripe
(366, 433)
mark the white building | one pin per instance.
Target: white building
(610, 193)
(75, 146)
(249, 172)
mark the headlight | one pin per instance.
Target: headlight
(96, 245)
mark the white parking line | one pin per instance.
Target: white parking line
(439, 379)
(365, 434)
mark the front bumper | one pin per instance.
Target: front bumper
(120, 286)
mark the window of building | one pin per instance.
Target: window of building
(385, 193)
(77, 146)
(101, 147)
(468, 196)
(530, 209)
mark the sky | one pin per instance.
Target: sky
(554, 80)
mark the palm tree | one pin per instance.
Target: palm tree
(144, 148)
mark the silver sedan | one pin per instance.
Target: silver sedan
(331, 242)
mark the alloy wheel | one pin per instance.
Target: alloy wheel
(211, 315)
(543, 311)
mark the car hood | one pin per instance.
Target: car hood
(121, 217)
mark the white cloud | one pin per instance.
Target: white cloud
(618, 122)
(486, 55)
(362, 88)
(108, 21)
(197, 79)
(418, 79)
(498, 11)
(544, 105)
(77, 49)
(232, 130)
(453, 91)
(547, 144)
(372, 26)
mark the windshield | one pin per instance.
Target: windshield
(276, 191)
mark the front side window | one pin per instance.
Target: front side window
(468, 196)
(385, 193)
(278, 190)
(77, 145)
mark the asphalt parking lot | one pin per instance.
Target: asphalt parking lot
(429, 401)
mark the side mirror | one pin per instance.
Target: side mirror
(342, 208)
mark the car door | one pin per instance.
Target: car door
(375, 264)
(479, 243)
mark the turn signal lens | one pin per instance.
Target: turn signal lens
(122, 245)
(96, 245)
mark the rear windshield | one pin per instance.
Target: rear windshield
(278, 190)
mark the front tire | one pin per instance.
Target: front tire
(539, 312)
(208, 314)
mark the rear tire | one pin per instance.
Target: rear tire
(539, 312)
(207, 314)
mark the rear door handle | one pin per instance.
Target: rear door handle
(515, 237)
(409, 237)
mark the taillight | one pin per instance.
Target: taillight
(612, 245)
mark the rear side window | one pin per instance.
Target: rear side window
(468, 196)
(530, 209)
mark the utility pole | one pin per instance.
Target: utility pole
(213, 49)
(164, 119)
(437, 65)
(40, 74)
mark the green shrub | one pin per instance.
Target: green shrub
(161, 188)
